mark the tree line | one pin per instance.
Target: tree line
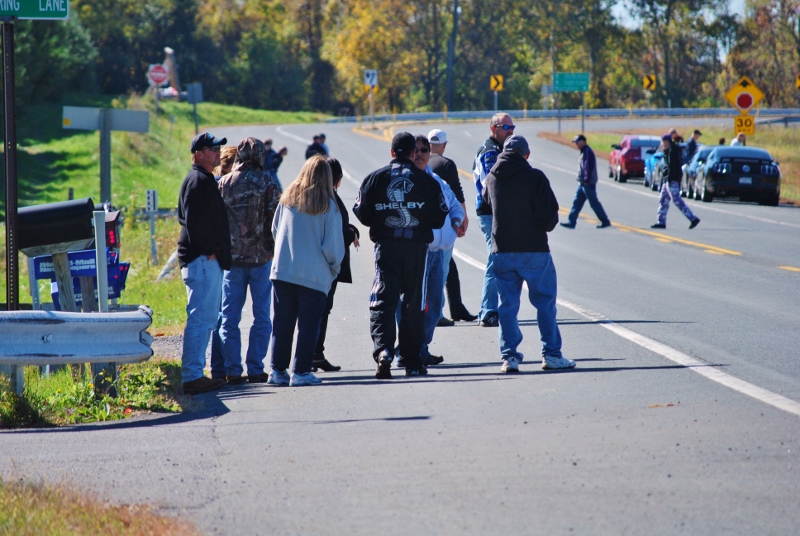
(431, 54)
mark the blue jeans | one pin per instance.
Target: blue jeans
(295, 305)
(489, 297)
(437, 265)
(538, 271)
(234, 293)
(584, 192)
(203, 280)
(217, 359)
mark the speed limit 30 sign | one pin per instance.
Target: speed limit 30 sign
(744, 124)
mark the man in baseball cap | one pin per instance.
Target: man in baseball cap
(206, 140)
(587, 186)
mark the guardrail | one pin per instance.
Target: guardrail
(40, 338)
(571, 113)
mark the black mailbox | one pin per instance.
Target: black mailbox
(63, 223)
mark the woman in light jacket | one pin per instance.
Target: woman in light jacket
(308, 254)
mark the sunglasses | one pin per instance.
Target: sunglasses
(506, 127)
(423, 150)
(213, 149)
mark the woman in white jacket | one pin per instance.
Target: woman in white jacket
(309, 249)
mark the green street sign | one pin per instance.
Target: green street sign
(35, 9)
(563, 82)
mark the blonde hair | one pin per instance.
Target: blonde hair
(312, 190)
(226, 157)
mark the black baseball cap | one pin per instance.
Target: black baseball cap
(516, 144)
(403, 144)
(698, 132)
(579, 137)
(201, 141)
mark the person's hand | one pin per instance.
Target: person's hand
(212, 257)
(356, 243)
(464, 225)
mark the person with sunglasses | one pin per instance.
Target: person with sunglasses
(204, 251)
(501, 127)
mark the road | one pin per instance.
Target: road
(682, 416)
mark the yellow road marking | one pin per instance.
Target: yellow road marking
(381, 137)
(465, 174)
(665, 238)
(789, 268)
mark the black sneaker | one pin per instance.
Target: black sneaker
(694, 223)
(202, 385)
(568, 225)
(463, 314)
(659, 226)
(492, 320)
(259, 378)
(236, 380)
(444, 322)
(430, 360)
(384, 371)
(417, 371)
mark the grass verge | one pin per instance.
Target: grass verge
(779, 141)
(33, 509)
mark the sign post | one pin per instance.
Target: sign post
(194, 94)
(563, 82)
(156, 76)
(496, 84)
(152, 208)
(18, 9)
(371, 82)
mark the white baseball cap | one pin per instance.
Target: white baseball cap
(437, 136)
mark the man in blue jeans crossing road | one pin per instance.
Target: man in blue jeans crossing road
(525, 210)
(587, 186)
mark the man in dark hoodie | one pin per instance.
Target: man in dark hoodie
(525, 210)
(204, 250)
(251, 195)
(401, 205)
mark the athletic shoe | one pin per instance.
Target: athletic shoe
(555, 363)
(384, 371)
(258, 378)
(492, 320)
(445, 322)
(324, 365)
(429, 360)
(510, 365)
(659, 226)
(604, 225)
(236, 380)
(278, 377)
(417, 371)
(568, 225)
(202, 385)
(694, 223)
(463, 314)
(303, 380)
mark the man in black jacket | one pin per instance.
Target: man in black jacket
(525, 210)
(204, 250)
(401, 205)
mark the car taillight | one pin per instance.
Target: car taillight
(769, 169)
(722, 168)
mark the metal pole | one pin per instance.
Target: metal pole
(196, 126)
(100, 260)
(12, 257)
(372, 106)
(558, 101)
(153, 252)
(451, 46)
(105, 155)
(583, 113)
(495, 101)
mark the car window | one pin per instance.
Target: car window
(644, 143)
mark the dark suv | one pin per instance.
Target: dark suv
(748, 173)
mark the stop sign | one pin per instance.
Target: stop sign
(157, 74)
(744, 101)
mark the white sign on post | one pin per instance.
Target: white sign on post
(371, 77)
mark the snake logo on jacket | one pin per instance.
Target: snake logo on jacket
(400, 185)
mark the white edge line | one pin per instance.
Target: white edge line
(704, 369)
(290, 135)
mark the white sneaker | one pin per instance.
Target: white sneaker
(555, 363)
(301, 380)
(510, 365)
(278, 377)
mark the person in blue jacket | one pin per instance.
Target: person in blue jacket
(587, 186)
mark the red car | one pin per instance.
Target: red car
(627, 158)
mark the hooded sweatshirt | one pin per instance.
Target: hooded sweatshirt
(524, 206)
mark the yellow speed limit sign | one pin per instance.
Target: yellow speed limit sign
(744, 123)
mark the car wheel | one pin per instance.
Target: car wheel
(708, 197)
(690, 190)
(623, 177)
(654, 185)
(770, 200)
(610, 171)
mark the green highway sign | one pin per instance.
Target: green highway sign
(570, 82)
(35, 9)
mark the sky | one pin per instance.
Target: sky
(621, 10)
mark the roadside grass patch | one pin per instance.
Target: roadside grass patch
(31, 509)
(781, 143)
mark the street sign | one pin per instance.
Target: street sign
(152, 201)
(797, 81)
(35, 9)
(563, 82)
(157, 75)
(496, 82)
(649, 82)
(194, 93)
(744, 95)
(371, 77)
(83, 118)
(744, 123)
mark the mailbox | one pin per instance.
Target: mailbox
(56, 227)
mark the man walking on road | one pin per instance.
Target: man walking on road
(401, 205)
(251, 195)
(525, 210)
(501, 127)
(587, 186)
(671, 188)
(448, 171)
(204, 250)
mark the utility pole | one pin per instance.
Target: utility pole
(451, 50)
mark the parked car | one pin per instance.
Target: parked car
(690, 170)
(627, 160)
(749, 173)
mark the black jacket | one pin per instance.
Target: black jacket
(350, 234)
(204, 220)
(674, 163)
(447, 170)
(524, 206)
(401, 201)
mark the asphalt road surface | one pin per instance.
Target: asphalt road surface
(682, 416)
